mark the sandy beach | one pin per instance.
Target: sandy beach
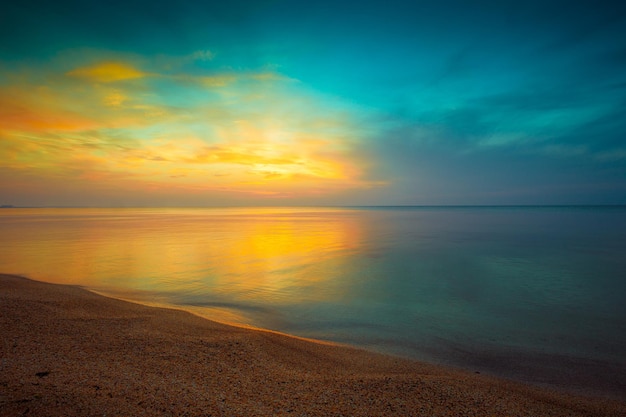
(67, 351)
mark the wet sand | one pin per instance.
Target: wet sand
(67, 351)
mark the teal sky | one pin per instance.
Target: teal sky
(290, 102)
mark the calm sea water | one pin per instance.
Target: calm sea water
(528, 292)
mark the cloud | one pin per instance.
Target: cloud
(107, 72)
(39, 109)
(269, 76)
(114, 99)
(238, 133)
(227, 78)
(220, 80)
(614, 155)
(205, 55)
(248, 154)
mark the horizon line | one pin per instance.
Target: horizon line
(10, 206)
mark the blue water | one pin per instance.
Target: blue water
(534, 293)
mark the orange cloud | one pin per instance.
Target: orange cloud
(35, 111)
(242, 155)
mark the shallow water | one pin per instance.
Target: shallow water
(536, 293)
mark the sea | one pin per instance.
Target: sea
(531, 293)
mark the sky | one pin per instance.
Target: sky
(206, 103)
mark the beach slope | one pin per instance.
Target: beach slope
(67, 351)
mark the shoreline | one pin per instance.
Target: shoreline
(567, 374)
(69, 351)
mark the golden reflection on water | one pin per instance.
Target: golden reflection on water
(271, 254)
(267, 255)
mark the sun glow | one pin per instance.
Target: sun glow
(113, 126)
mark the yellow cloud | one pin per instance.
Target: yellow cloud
(218, 80)
(114, 99)
(225, 79)
(106, 72)
(269, 76)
